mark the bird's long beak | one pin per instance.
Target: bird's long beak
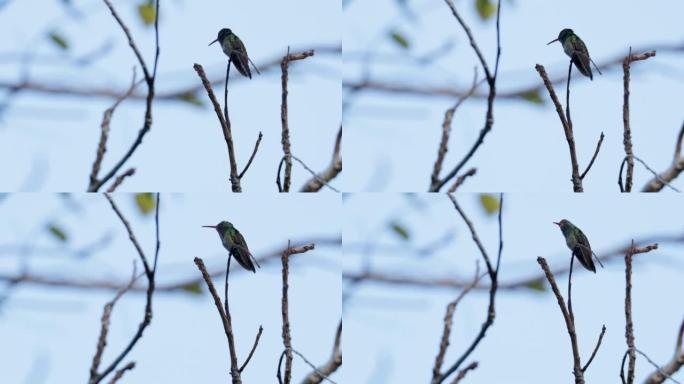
(209, 226)
(552, 41)
(558, 224)
(217, 40)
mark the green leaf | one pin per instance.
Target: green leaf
(400, 39)
(194, 288)
(59, 40)
(485, 8)
(400, 230)
(536, 285)
(190, 97)
(533, 97)
(57, 232)
(147, 12)
(145, 202)
(490, 203)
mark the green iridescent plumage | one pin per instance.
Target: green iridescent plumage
(233, 47)
(578, 244)
(236, 245)
(575, 48)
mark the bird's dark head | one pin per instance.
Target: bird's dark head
(564, 225)
(564, 34)
(223, 33)
(221, 227)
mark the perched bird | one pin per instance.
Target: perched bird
(578, 244)
(233, 48)
(578, 52)
(235, 244)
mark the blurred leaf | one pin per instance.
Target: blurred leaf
(57, 232)
(59, 40)
(485, 8)
(536, 285)
(194, 288)
(145, 202)
(147, 12)
(400, 39)
(532, 96)
(490, 203)
(190, 97)
(400, 230)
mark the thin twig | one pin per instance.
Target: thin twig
(319, 374)
(120, 179)
(491, 82)
(593, 158)
(446, 132)
(150, 273)
(598, 344)
(448, 322)
(104, 132)
(312, 172)
(251, 158)
(493, 273)
(319, 180)
(120, 372)
(659, 370)
(677, 167)
(461, 179)
(149, 80)
(225, 125)
(251, 352)
(462, 373)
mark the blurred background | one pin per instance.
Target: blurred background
(407, 256)
(406, 59)
(59, 252)
(59, 57)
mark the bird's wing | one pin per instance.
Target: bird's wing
(583, 251)
(240, 246)
(240, 58)
(581, 57)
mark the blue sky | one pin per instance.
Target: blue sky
(393, 331)
(395, 137)
(48, 143)
(57, 328)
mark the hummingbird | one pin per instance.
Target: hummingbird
(578, 244)
(579, 54)
(233, 47)
(236, 245)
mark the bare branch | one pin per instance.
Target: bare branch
(225, 125)
(149, 80)
(593, 158)
(569, 323)
(660, 181)
(119, 180)
(150, 273)
(627, 139)
(251, 352)
(335, 361)
(493, 272)
(251, 158)
(462, 373)
(120, 372)
(567, 127)
(335, 167)
(225, 319)
(287, 338)
(461, 179)
(491, 82)
(448, 322)
(285, 140)
(593, 354)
